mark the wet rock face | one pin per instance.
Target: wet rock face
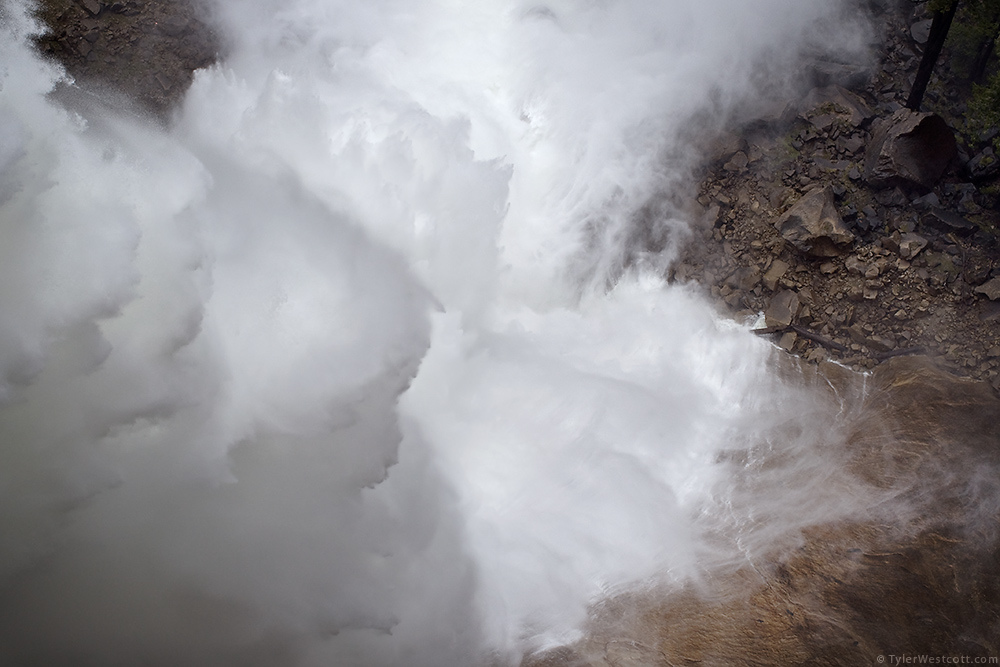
(146, 49)
(912, 147)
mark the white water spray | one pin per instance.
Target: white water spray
(331, 373)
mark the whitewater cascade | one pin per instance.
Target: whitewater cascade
(359, 362)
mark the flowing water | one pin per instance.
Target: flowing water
(360, 362)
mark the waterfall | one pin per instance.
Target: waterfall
(361, 360)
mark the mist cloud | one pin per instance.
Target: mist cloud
(329, 371)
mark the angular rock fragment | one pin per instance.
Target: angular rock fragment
(738, 162)
(93, 7)
(774, 274)
(910, 245)
(782, 310)
(920, 31)
(855, 265)
(744, 278)
(948, 221)
(910, 147)
(990, 289)
(841, 103)
(814, 226)
(984, 164)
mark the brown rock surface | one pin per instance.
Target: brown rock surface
(920, 575)
(146, 49)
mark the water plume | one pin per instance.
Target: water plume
(350, 364)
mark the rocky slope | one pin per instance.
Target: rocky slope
(911, 267)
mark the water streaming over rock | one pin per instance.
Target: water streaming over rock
(359, 362)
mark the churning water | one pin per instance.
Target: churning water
(358, 363)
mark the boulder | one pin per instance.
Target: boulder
(744, 278)
(984, 164)
(814, 226)
(737, 162)
(782, 310)
(910, 245)
(990, 289)
(93, 7)
(947, 221)
(921, 31)
(911, 147)
(840, 102)
(774, 274)
(827, 72)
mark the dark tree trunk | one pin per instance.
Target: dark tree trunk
(939, 31)
(983, 56)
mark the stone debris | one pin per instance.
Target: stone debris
(915, 270)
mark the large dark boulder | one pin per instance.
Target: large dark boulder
(909, 147)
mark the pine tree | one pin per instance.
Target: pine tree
(944, 13)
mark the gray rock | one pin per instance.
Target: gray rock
(909, 146)
(814, 226)
(722, 146)
(839, 103)
(928, 201)
(774, 274)
(744, 278)
(910, 245)
(920, 31)
(948, 221)
(787, 340)
(851, 144)
(782, 309)
(984, 164)
(93, 7)
(738, 162)
(827, 72)
(855, 265)
(978, 267)
(990, 289)
(891, 242)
